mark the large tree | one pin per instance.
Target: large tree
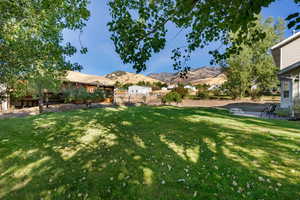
(31, 38)
(252, 70)
(139, 27)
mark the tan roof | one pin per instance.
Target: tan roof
(77, 77)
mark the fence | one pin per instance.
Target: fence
(153, 98)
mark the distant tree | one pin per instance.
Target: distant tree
(126, 86)
(172, 97)
(142, 83)
(118, 84)
(181, 90)
(203, 91)
(252, 71)
(158, 85)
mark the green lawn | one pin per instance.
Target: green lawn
(152, 153)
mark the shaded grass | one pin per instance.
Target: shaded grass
(149, 153)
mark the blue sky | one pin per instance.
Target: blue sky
(102, 59)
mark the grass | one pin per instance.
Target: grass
(149, 153)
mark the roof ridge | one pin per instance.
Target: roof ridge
(285, 41)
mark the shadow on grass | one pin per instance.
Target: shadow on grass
(148, 153)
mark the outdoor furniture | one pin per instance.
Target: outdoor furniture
(269, 110)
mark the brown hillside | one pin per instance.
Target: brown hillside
(202, 75)
(127, 77)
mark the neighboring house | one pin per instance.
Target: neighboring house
(286, 55)
(135, 89)
(192, 88)
(170, 87)
(90, 82)
(73, 79)
(164, 89)
(213, 87)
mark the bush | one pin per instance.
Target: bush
(172, 97)
(282, 112)
(181, 91)
(72, 95)
(203, 92)
(98, 95)
(255, 94)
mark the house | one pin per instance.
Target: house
(135, 89)
(286, 55)
(72, 79)
(191, 88)
(170, 87)
(214, 87)
(90, 82)
(164, 89)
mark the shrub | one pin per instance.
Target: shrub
(181, 91)
(282, 112)
(81, 95)
(255, 94)
(98, 95)
(203, 92)
(70, 95)
(172, 97)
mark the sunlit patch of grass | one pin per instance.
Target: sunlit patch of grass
(30, 167)
(190, 154)
(149, 153)
(148, 173)
(138, 141)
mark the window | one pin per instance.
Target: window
(286, 89)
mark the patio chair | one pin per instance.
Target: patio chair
(269, 110)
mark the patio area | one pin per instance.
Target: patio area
(240, 112)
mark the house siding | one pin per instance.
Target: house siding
(290, 54)
(276, 55)
(294, 86)
(139, 90)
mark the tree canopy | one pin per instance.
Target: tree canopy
(31, 35)
(32, 51)
(252, 71)
(139, 27)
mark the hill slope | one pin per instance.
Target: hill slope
(208, 75)
(127, 77)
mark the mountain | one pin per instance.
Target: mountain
(217, 80)
(207, 75)
(163, 76)
(127, 77)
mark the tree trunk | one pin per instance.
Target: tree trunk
(9, 103)
(41, 101)
(47, 100)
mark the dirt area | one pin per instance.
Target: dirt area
(245, 105)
